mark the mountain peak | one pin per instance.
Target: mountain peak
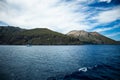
(77, 33)
(94, 33)
(90, 37)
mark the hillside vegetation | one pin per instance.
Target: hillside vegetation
(38, 36)
(42, 36)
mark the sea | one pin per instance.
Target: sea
(60, 62)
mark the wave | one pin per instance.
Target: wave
(96, 72)
(85, 69)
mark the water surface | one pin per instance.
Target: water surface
(84, 62)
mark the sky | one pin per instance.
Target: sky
(101, 16)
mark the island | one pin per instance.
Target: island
(10, 35)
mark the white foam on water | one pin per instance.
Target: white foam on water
(84, 69)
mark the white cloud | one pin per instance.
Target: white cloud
(114, 34)
(57, 15)
(108, 16)
(106, 29)
(108, 1)
(44, 13)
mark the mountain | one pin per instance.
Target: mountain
(118, 42)
(38, 36)
(6, 33)
(90, 37)
(42, 36)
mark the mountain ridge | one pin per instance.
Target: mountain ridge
(93, 37)
(38, 36)
(44, 36)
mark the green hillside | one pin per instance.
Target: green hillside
(38, 36)
(42, 36)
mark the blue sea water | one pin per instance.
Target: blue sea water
(80, 62)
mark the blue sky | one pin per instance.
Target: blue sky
(102, 16)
